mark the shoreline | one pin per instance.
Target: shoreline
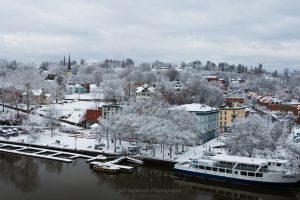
(147, 160)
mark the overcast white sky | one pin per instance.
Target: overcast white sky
(235, 31)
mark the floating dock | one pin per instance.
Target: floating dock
(122, 168)
(41, 153)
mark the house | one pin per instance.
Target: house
(229, 101)
(211, 78)
(208, 118)
(144, 92)
(76, 89)
(111, 109)
(37, 97)
(92, 116)
(178, 85)
(51, 77)
(229, 114)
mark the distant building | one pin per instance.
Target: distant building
(208, 118)
(69, 69)
(92, 116)
(211, 78)
(178, 85)
(109, 110)
(229, 114)
(230, 101)
(51, 77)
(144, 92)
(37, 97)
(76, 89)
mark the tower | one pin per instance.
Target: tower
(69, 70)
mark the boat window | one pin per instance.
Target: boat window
(250, 174)
(228, 171)
(208, 168)
(215, 169)
(243, 173)
(259, 174)
(201, 167)
(278, 164)
(269, 163)
(236, 172)
(221, 170)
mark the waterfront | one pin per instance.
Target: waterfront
(35, 179)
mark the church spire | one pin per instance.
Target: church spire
(69, 64)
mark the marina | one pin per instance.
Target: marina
(99, 163)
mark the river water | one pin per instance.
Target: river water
(23, 178)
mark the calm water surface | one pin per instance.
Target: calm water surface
(37, 179)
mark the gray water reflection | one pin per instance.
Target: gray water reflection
(35, 179)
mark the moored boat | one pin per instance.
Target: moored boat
(106, 167)
(240, 170)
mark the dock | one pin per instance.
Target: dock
(41, 153)
(122, 168)
(68, 157)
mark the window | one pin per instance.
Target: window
(243, 173)
(201, 167)
(229, 171)
(236, 172)
(278, 164)
(222, 170)
(259, 174)
(215, 169)
(208, 168)
(250, 174)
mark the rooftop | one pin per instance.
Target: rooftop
(245, 160)
(194, 107)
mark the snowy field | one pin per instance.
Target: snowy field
(72, 111)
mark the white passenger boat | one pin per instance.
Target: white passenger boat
(241, 170)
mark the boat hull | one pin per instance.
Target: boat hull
(212, 177)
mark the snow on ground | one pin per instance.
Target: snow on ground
(86, 96)
(87, 141)
(71, 111)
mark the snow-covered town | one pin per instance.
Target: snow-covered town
(149, 100)
(160, 110)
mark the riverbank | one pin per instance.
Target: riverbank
(84, 145)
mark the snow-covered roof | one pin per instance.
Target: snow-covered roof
(35, 92)
(143, 87)
(210, 76)
(246, 160)
(194, 107)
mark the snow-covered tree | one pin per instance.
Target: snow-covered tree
(51, 118)
(248, 135)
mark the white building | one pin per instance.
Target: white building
(144, 92)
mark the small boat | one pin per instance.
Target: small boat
(240, 170)
(106, 167)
